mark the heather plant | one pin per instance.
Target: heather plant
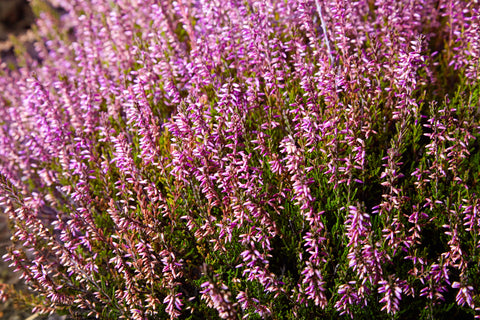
(246, 159)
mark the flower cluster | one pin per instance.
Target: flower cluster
(226, 159)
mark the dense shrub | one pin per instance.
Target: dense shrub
(260, 159)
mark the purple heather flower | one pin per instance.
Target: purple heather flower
(218, 297)
(464, 294)
(392, 295)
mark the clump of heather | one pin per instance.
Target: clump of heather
(246, 159)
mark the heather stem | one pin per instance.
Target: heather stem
(325, 35)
